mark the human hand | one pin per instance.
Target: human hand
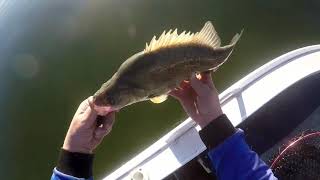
(87, 129)
(199, 98)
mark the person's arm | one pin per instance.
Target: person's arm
(229, 154)
(85, 133)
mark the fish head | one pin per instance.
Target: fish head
(112, 96)
(122, 89)
(105, 99)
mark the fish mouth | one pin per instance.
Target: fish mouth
(101, 108)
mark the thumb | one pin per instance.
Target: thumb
(85, 113)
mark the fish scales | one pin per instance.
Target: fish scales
(176, 61)
(164, 63)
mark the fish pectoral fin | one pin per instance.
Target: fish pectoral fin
(159, 99)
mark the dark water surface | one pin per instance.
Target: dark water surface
(54, 54)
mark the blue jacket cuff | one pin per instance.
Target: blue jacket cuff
(57, 175)
(217, 154)
(233, 159)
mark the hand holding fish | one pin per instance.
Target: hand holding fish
(87, 129)
(199, 98)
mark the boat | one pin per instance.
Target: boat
(271, 104)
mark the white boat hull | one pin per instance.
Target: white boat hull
(239, 101)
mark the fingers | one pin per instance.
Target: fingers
(85, 114)
(207, 79)
(83, 106)
(90, 114)
(185, 84)
(105, 126)
(182, 91)
(201, 88)
(206, 76)
(187, 98)
(176, 93)
(191, 109)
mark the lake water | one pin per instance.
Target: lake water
(54, 54)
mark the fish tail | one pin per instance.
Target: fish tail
(235, 39)
(227, 49)
(224, 52)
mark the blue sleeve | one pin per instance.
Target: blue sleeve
(57, 175)
(233, 159)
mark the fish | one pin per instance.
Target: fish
(164, 63)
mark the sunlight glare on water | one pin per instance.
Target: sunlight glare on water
(26, 66)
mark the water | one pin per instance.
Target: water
(54, 54)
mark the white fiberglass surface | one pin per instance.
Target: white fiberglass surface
(239, 101)
(231, 109)
(278, 80)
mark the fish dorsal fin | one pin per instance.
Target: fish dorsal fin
(207, 36)
(159, 99)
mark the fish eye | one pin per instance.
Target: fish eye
(110, 100)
